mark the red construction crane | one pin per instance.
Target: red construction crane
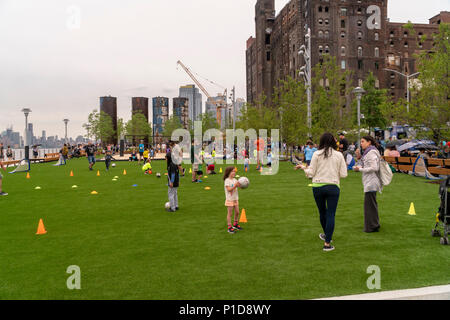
(220, 103)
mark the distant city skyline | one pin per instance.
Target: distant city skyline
(58, 57)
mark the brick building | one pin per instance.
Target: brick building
(358, 33)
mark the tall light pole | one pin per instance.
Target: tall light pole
(281, 128)
(233, 100)
(305, 72)
(407, 83)
(358, 91)
(26, 112)
(66, 121)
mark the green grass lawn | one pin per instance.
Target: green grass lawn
(129, 247)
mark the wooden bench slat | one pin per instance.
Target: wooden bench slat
(404, 160)
(439, 171)
(447, 162)
(436, 162)
(390, 159)
(405, 167)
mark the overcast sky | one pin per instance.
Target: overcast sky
(59, 65)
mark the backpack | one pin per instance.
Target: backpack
(385, 173)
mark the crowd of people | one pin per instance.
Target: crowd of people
(326, 164)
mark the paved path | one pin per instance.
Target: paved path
(427, 293)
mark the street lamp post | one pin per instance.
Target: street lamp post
(281, 129)
(358, 91)
(26, 112)
(305, 72)
(407, 83)
(66, 121)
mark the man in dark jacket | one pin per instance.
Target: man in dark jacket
(173, 177)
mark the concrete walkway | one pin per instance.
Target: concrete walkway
(427, 293)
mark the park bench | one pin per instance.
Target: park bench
(434, 166)
(438, 167)
(405, 164)
(10, 162)
(48, 157)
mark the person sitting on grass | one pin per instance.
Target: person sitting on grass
(231, 198)
(133, 156)
(1, 180)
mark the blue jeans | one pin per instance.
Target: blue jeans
(327, 198)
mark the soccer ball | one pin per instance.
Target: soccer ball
(158, 175)
(167, 205)
(244, 182)
(113, 165)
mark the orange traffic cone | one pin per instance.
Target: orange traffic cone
(243, 218)
(245, 169)
(235, 169)
(28, 175)
(71, 173)
(98, 173)
(124, 172)
(41, 228)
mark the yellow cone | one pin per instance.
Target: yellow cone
(94, 192)
(190, 170)
(243, 218)
(124, 172)
(412, 210)
(28, 175)
(98, 173)
(220, 170)
(207, 188)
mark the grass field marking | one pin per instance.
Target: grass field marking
(374, 281)
(74, 280)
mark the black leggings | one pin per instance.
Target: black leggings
(327, 198)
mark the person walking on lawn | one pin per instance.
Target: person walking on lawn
(326, 169)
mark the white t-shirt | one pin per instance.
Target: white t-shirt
(231, 196)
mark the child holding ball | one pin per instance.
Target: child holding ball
(232, 198)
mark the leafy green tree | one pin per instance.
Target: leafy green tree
(171, 125)
(208, 122)
(138, 127)
(329, 98)
(372, 103)
(289, 100)
(120, 127)
(92, 125)
(106, 131)
(430, 104)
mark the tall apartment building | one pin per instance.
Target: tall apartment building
(211, 109)
(140, 104)
(109, 106)
(160, 116)
(181, 110)
(195, 100)
(358, 33)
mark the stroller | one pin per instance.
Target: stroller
(443, 216)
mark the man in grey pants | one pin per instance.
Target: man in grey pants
(173, 177)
